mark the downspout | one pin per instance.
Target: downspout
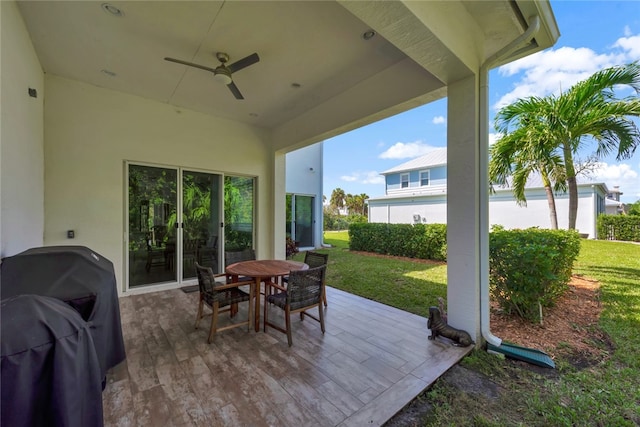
(510, 49)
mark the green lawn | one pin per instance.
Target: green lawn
(606, 394)
(410, 286)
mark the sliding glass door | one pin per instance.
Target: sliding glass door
(152, 234)
(300, 219)
(238, 212)
(175, 220)
(201, 221)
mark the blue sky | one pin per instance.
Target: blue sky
(594, 35)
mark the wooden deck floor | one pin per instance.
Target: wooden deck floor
(371, 362)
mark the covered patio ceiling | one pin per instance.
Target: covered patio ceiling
(317, 76)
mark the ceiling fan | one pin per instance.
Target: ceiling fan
(223, 71)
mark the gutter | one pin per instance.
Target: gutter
(512, 49)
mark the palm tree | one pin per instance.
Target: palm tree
(363, 197)
(338, 198)
(588, 111)
(524, 151)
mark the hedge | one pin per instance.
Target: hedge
(619, 227)
(530, 269)
(427, 241)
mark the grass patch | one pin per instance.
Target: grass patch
(604, 394)
(407, 285)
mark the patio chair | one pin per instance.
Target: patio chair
(303, 292)
(208, 253)
(314, 259)
(217, 295)
(155, 257)
(231, 257)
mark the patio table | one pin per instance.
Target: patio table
(261, 270)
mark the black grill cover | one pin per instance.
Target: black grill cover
(81, 278)
(50, 372)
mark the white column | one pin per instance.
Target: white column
(467, 207)
(277, 231)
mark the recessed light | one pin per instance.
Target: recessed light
(369, 34)
(108, 73)
(111, 9)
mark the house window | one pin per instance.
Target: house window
(404, 180)
(424, 178)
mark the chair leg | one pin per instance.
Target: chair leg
(324, 296)
(199, 317)
(214, 323)
(321, 317)
(287, 313)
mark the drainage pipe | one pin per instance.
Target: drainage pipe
(513, 48)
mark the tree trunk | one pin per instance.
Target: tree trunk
(551, 200)
(572, 185)
(552, 207)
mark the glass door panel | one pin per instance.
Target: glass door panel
(303, 206)
(152, 219)
(200, 221)
(238, 213)
(289, 216)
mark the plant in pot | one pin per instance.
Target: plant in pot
(291, 247)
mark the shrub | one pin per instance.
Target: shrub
(619, 227)
(529, 269)
(426, 241)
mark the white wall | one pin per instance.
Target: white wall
(432, 211)
(90, 132)
(503, 210)
(304, 177)
(21, 137)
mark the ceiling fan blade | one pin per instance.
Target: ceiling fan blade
(244, 62)
(235, 91)
(190, 64)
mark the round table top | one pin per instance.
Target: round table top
(265, 267)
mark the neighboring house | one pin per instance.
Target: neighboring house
(416, 192)
(127, 141)
(304, 196)
(613, 205)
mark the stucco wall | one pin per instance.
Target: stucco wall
(21, 137)
(432, 211)
(90, 132)
(304, 177)
(503, 210)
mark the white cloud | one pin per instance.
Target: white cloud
(627, 31)
(369, 177)
(619, 174)
(404, 150)
(373, 177)
(553, 70)
(438, 120)
(493, 137)
(631, 44)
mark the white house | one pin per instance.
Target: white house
(416, 191)
(304, 215)
(100, 135)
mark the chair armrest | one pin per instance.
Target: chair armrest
(275, 285)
